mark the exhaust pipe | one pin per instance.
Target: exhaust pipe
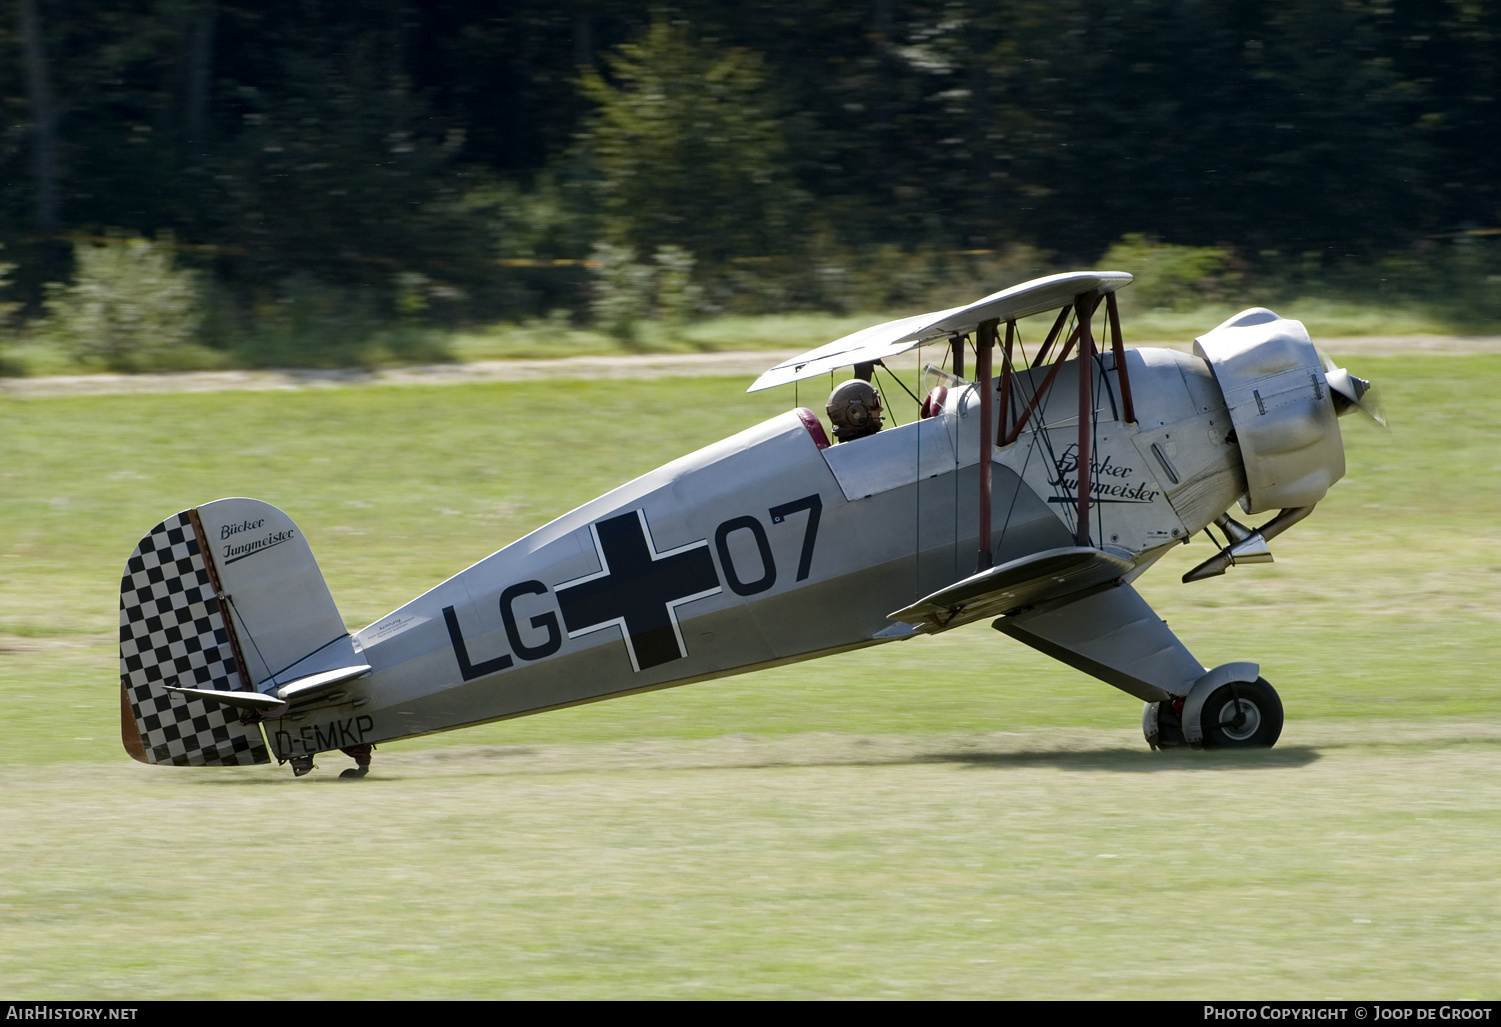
(1245, 545)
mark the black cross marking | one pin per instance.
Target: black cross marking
(638, 589)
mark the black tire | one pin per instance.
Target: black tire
(1260, 711)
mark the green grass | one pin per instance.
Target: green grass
(769, 332)
(783, 333)
(1352, 863)
(954, 816)
(1324, 318)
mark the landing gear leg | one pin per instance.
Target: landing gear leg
(361, 754)
(301, 765)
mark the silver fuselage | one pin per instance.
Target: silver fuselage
(765, 549)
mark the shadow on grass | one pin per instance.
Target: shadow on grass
(1116, 761)
(1134, 761)
(510, 761)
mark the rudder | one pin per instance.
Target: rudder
(172, 631)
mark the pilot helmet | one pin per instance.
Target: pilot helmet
(855, 410)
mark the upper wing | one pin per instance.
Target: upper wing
(887, 340)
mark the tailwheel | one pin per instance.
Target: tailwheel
(361, 754)
(1242, 715)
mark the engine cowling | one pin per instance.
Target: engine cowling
(1280, 406)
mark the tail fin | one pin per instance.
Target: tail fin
(223, 598)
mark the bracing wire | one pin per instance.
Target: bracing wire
(245, 634)
(1031, 448)
(1041, 437)
(892, 375)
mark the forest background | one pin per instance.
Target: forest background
(196, 183)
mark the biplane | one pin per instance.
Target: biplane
(1031, 493)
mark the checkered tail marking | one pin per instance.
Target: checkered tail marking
(172, 631)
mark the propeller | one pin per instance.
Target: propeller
(1352, 393)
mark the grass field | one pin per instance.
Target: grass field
(781, 333)
(792, 332)
(955, 816)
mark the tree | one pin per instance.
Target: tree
(686, 152)
(127, 308)
(44, 123)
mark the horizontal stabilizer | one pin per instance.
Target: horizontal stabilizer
(311, 685)
(1050, 574)
(291, 692)
(242, 700)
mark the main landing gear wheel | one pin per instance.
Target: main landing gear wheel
(1242, 715)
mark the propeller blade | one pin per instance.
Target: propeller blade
(1350, 392)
